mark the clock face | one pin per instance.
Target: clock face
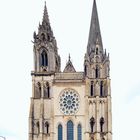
(69, 102)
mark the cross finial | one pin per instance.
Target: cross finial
(69, 57)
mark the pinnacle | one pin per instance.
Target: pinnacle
(69, 66)
(45, 15)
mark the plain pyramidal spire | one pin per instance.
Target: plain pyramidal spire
(94, 33)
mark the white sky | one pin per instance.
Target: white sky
(70, 20)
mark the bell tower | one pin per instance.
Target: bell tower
(46, 58)
(96, 71)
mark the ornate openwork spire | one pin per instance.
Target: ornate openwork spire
(45, 15)
(94, 33)
(45, 33)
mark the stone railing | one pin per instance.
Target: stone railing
(69, 76)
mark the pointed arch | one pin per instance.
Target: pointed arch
(43, 38)
(38, 127)
(97, 51)
(47, 90)
(102, 121)
(70, 134)
(91, 89)
(79, 132)
(38, 90)
(92, 122)
(97, 72)
(47, 127)
(102, 89)
(85, 70)
(60, 132)
(44, 58)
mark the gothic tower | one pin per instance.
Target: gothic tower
(70, 105)
(98, 94)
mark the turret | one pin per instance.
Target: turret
(46, 58)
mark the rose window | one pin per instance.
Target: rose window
(69, 102)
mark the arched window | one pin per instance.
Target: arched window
(92, 122)
(70, 135)
(91, 89)
(47, 127)
(43, 37)
(38, 90)
(79, 132)
(97, 72)
(97, 51)
(101, 124)
(38, 127)
(44, 59)
(60, 132)
(47, 91)
(85, 70)
(101, 89)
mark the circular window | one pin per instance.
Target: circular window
(69, 102)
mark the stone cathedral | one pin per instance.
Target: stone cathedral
(70, 105)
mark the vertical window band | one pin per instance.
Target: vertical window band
(70, 135)
(79, 132)
(60, 132)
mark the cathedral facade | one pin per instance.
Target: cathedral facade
(70, 105)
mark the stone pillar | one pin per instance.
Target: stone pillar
(33, 87)
(65, 129)
(97, 118)
(42, 89)
(38, 59)
(52, 119)
(41, 119)
(31, 117)
(108, 87)
(109, 119)
(97, 89)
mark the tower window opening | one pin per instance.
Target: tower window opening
(101, 89)
(91, 89)
(44, 59)
(97, 72)
(101, 124)
(92, 122)
(60, 132)
(48, 37)
(43, 37)
(38, 91)
(85, 70)
(38, 127)
(97, 51)
(47, 127)
(47, 91)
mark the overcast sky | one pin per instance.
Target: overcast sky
(70, 21)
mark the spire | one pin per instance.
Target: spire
(45, 33)
(94, 34)
(45, 15)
